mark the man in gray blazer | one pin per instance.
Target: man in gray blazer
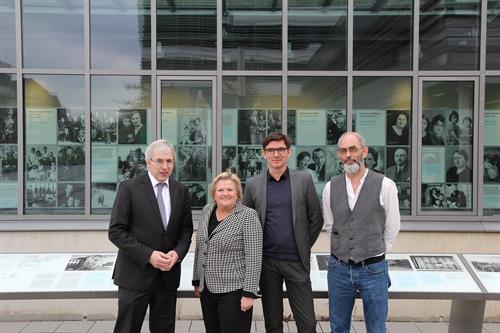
(290, 212)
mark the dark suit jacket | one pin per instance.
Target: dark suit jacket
(306, 209)
(402, 176)
(136, 229)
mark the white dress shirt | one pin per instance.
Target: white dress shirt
(388, 200)
(165, 194)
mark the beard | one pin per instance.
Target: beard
(352, 168)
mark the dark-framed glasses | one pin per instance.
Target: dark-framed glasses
(280, 150)
(351, 149)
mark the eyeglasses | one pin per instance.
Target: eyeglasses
(280, 150)
(351, 149)
(163, 162)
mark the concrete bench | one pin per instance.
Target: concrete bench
(467, 280)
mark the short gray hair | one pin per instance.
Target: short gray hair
(356, 134)
(159, 145)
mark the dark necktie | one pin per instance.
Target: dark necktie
(161, 204)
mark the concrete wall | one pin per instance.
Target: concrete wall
(96, 241)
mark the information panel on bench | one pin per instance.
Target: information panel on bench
(487, 269)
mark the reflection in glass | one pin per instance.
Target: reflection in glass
(493, 38)
(383, 35)
(447, 151)
(382, 114)
(120, 35)
(186, 118)
(317, 35)
(491, 162)
(120, 131)
(8, 144)
(186, 35)
(449, 35)
(54, 152)
(251, 35)
(50, 26)
(7, 34)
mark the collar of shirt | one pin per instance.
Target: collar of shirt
(285, 175)
(154, 182)
(351, 196)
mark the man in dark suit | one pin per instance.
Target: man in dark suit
(400, 171)
(319, 158)
(290, 213)
(151, 224)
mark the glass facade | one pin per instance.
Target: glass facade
(86, 85)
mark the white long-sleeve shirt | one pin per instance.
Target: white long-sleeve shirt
(388, 200)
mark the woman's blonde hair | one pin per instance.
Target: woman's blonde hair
(225, 175)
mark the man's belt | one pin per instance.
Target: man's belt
(362, 263)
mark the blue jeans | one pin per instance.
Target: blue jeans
(372, 281)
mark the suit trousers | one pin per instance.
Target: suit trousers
(300, 296)
(222, 312)
(132, 306)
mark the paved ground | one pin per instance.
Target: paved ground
(183, 326)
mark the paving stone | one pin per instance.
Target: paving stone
(437, 327)
(402, 327)
(103, 326)
(42, 327)
(79, 326)
(13, 326)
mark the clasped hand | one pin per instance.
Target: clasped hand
(163, 261)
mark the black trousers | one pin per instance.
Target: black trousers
(222, 312)
(132, 306)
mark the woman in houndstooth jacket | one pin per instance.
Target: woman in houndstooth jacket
(228, 258)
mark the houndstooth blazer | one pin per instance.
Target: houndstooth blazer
(230, 258)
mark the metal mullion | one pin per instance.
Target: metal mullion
(349, 72)
(284, 61)
(20, 111)
(217, 142)
(416, 188)
(86, 108)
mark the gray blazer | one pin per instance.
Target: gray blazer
(230, 258)
(306, 209)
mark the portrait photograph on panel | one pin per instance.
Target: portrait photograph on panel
(335, 125)
(252, 126)
(198, 194)
(71, 195)
(435, 263)
(8, 125)
(458, 195)
(229, 159)
(333, 163)
(433, 123)
(273, 121)
(398, 164)
(458, 164)
(375, 159)
(132, 126)
(433, 195)
(131, 162)
(191, 163)
(491, 164)
(103, 126)
(41, 195)
(71, 163)
(304, 162)
(8, 162)
(70, 126)
(292, 125)
(192, 127)
(404, 195)
(103, 195)
(250, 161)
(398, 127)
(41, 163)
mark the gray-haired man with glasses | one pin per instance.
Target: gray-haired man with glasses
(290, 213)
(151, 224)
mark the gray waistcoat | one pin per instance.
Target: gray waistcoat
(357, 234)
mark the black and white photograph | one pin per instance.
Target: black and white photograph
(252, 126)
(435, 263)
(491, 164)
(229, 159)
(91, 262)
(404, 195)
(103, 195)
(71, 195)
(433, 195)
(434, 131)
(322, 260)
(466, 131)
(41, 195)
(304, 162)
(192, 127)
(457, 196)
(41, 163)
(292, 125)
(131, 162)
(70, 126)
(375, 159)
(191, 163)
(452, 128)
(198, 194)
(250, 161)
(398, 164)
(335, 125)
(71, 163)
(458, 164)
(8, 162)
(273, 121)
(103, 127)
(132, 126)
(8, 125)
(333, 163)
(399, 265)
(488, 264)
(398, 127)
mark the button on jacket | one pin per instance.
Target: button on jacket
(230, 258)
